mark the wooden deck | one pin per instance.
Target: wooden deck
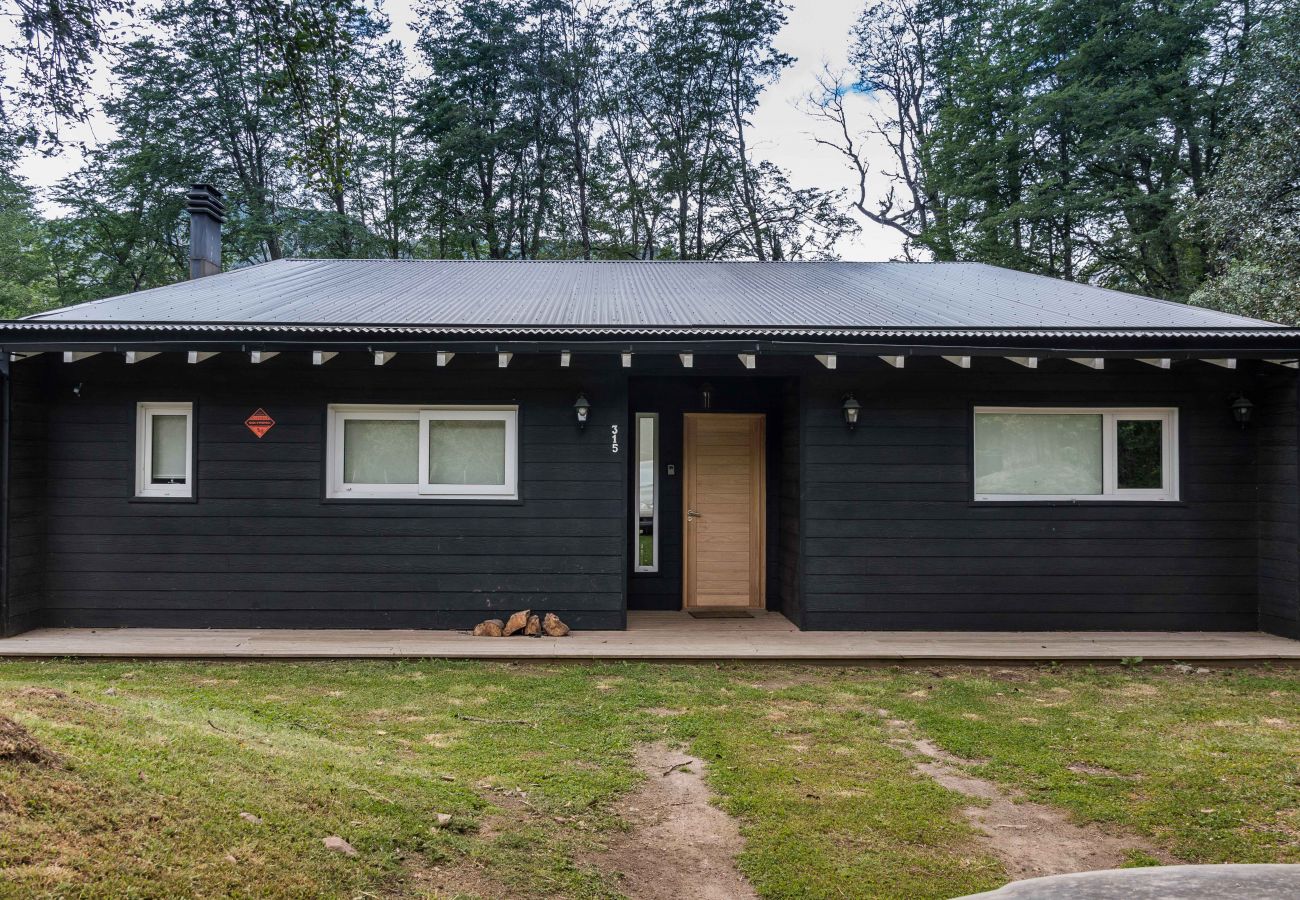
(662, 636)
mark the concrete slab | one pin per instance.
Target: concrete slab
(1228, 882)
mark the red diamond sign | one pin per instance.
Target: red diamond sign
(259, 422)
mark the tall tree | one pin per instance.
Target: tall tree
(125, 229)
(27, 277)
(326, 54)
(1055, 137)
(1250, 216)
(56, 46)
(895, 47)
(473, 115)
(229, 72)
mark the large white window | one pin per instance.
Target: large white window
(1076, 454)
(462, 452)
(164, 457)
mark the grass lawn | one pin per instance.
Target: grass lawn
(163, 757)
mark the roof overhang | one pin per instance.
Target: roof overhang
(36, 336)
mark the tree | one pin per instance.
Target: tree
(1055, 137)
(474, 115)
(56, 49)
(1250, 215)
(228, 79)
(388, 198)
(27, 277)
(893, 56)
(326, 54)
(125, 229)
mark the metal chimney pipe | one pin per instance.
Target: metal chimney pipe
(207, 210)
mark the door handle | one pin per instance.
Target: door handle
(692, 514)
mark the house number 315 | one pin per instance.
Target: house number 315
(613, 439)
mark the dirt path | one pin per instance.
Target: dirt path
(1029, 838)
(679, 844)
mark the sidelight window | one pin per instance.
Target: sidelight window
(456, 452)
(646, 524)
(1075, 454)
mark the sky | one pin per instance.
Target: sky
(817, 34)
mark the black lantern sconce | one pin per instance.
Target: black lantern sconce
(852, 409)
(706, 395)
(1242, 411)
(582, 410)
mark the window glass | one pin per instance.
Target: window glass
(647, 452)
(1038, 453)
(467, 451)
(163, 451)
(169, 448)
(1139, 447)
(408, 451)
(381, 451)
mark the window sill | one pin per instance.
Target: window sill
(422, 501)
(146, 499)
(1064, 503)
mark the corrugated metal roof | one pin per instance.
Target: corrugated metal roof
(573, 297)
(222, 332)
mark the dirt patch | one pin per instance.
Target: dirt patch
(1100, 772)
(43, 693)
(1030, 839)
(784, 679)
(466, 878)
(17, 745)
(678, 844)
(514, 807)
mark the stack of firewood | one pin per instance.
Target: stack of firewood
(524, 622)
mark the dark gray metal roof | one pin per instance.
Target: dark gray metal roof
(618, 298)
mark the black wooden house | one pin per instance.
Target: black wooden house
(412, 443)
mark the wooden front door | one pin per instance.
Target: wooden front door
(725, 500)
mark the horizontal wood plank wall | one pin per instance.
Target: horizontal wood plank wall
(894, 541)
(25, 528)
(261, 548)
(1276, 426)
(789, 557)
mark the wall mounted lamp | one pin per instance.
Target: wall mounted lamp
(852, 409)
(1242, 410)
(582, 409)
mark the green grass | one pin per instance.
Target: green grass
(162, 758)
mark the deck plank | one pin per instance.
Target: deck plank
(659, 636)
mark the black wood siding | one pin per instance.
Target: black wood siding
(1276, 426)
(25, 522)
(261, 547)
(789, 547)
(873, 529)
(894, 541)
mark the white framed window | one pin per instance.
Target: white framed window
(1072, 453)
(645, 526)
(454, 452)
(164, 450)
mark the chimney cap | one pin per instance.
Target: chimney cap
(206, 199)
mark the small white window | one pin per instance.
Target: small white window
(462, 452)
(164, 442)
(1076, 454)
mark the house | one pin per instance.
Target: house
(421, 443)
